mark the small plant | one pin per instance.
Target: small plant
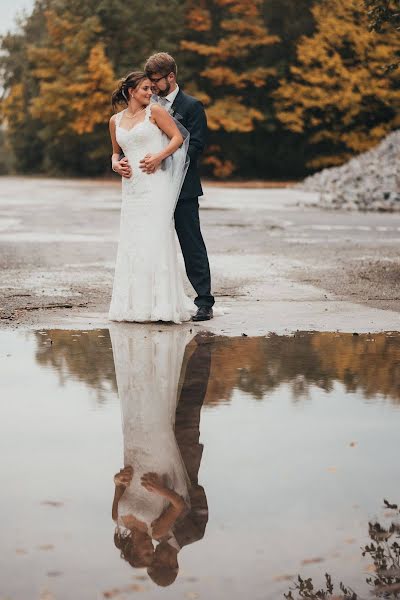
(384, 551)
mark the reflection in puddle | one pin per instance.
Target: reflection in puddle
(155, 500)
(364, 363)
(293, 439)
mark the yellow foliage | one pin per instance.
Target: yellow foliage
(231, 115)
(74, 74)
(338, 89)
(199, 19)
(227, 76)
(221, 168)
(12, 107)
(232, 33)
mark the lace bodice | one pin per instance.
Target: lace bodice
(140, 139)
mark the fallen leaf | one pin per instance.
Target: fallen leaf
(134, 587)
(311, 561)
(46, 595)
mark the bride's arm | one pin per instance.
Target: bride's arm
(119, 490)
(121, 167)
(166, 123)
(122, 480)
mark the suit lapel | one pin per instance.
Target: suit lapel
(177, 102)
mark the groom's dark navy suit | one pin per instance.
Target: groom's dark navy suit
(191, 114)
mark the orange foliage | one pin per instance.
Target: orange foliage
(338, 91)
(74, 74)
(368, 364)
(226, 37)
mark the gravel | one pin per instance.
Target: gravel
(368, 182)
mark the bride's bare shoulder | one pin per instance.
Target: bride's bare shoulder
(157, 109)
(113, 118)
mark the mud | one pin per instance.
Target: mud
(276, 265)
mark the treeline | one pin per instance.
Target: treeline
(289, 85)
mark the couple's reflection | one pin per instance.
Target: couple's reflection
(158, 505)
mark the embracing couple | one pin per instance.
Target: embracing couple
(157, 141)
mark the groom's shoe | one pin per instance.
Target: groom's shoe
(204, 313)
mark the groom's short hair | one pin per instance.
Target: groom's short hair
(162, 62)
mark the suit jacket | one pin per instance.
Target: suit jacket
(187, 431)
(190, 112)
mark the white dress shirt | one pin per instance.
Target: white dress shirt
(171, 97)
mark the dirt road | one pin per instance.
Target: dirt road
(276, 265)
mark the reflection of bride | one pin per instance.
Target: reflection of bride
(152, 490)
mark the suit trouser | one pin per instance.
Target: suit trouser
(187, 225)
(187, 433)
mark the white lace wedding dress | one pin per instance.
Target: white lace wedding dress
(148, 284)
(147, 367)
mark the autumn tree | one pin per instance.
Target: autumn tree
(224, 52)
(338, 93)
(74, 79)
(24, 151)
(384, 15)
(59, 69)
(134, 30)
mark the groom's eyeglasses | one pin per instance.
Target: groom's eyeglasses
(158, 79)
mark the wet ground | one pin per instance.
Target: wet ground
(276, 265)
(282, 449)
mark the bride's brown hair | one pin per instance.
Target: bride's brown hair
(121, 94)
(124, 541)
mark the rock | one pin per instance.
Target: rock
(369, 181)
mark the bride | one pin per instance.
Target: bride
(147, 280)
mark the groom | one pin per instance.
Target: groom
(161, 69)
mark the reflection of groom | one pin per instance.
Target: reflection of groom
(161, 69)
(191, 528)
(187, 433)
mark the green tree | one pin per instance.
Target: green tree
(23, 147)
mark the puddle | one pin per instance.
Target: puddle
(274, 457)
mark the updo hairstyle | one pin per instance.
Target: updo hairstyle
(121, 94)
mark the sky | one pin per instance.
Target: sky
(8, 10)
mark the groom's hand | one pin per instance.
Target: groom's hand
(122, 167)
(150, 163)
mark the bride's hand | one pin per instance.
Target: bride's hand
(124, 477)
(150, 163)
(123, 168)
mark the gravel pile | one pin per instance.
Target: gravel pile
(370, 181)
